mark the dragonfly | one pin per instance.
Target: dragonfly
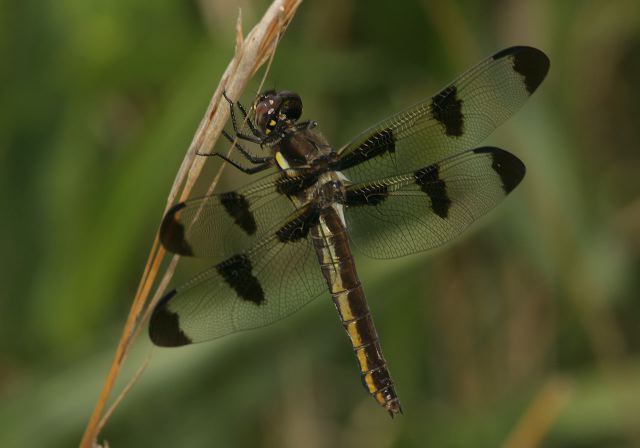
(410, 183)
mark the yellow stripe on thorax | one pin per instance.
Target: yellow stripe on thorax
(281, 161)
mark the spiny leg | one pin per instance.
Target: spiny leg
(252, 127)
(256, 137)
(251, 170)
(250, 157)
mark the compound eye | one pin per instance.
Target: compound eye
(273, 107)
(265, 110)
(291, 106)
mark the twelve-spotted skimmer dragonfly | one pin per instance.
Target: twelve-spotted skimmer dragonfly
(410, 183)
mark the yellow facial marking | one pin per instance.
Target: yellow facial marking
(267, 131)
(272, 123)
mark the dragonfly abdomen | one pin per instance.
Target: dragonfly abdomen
(336, 261)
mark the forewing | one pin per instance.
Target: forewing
(425, 208)
(221, 225)
(248, 290)
(457, 118)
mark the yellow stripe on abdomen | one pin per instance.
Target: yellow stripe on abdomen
(332, 248)
(341, 300)
(354, 333)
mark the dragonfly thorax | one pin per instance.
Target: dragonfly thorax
(330, 189)
(303, 148)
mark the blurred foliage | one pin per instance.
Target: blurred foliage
(524, 331)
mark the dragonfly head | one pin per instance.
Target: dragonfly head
(275, 110)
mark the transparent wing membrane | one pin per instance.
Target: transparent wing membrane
(457, 118)
(428, 207)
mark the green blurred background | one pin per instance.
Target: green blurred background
(525, 330)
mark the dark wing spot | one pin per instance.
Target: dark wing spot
(299, 227)
(428, 179)
(368, 195)
(447, 110)
(237, 272)
(238, 208)
(164, 325)
(378, 144)
(510, 169)
(530, 62)
(172, 232)
(291, 186)
(533, 65)
(506, 52)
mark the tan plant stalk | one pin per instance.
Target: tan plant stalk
(250, 54)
